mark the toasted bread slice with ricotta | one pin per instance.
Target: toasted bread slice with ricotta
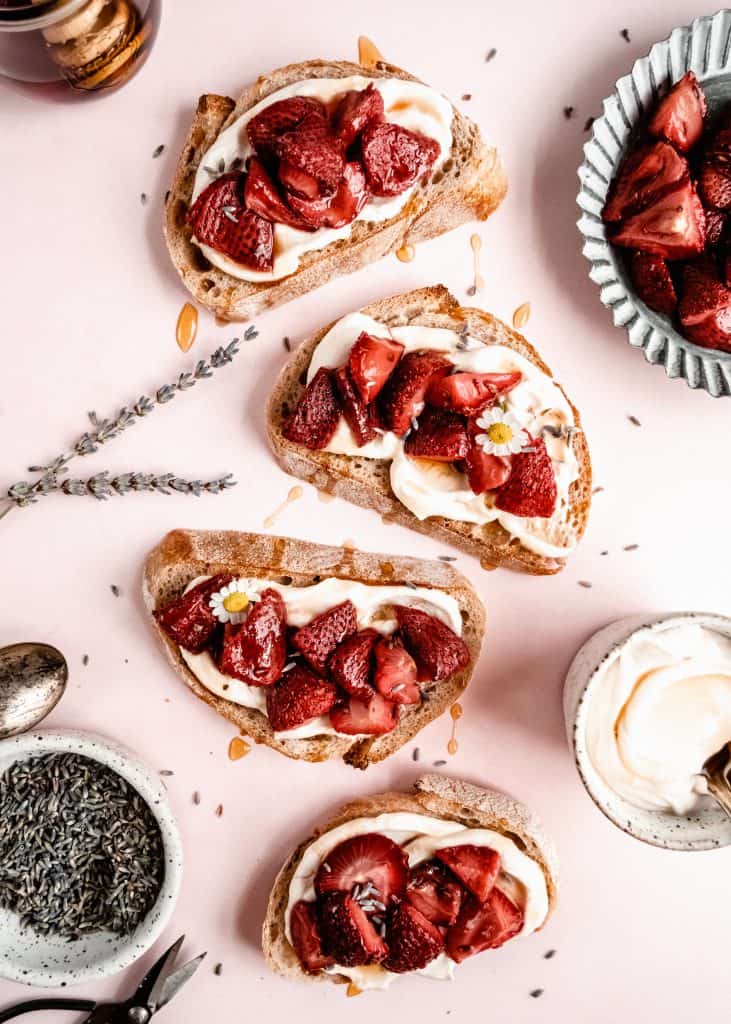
(436, 796)
(184, 555)
(469, 186)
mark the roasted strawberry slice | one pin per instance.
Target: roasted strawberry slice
(485, 472)
(403, 397)
(298, 697)
(356, 110)
(653, 283)
(715, 226)
(189, 620)
(279, 118)
(357, 415)
(219, 219)
(649, 171)
(351, 664)
(477, 867)
(680, 116)
(255, 650)
(371, 362)
(348, 934)
(373, 717)
(395, 673)
(482, 926)
(705, 306)
(438, 435)
(304, 926)
(468, 393)
(434, 893)
(413, 941)
(436, 649)
(371, 867)
(317, 415)
(319, 638)
(674, 227)
(313, 151)
(530, 490)
(261, 196)
(336, 210)
(714, 179)
(395, 158)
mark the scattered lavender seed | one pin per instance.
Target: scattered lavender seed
(630, 547)
(166, 772)
(196, 798)
(411, 586)
(467, 96)
(287, 344)
(439, 764)
(634, 420)
(625, 35)
(415, 754)
(219, 811)
(585, 583)
(491, 55)
(549, 954)
(115, 590)
(597, 490)
(472, 290)
(447, 558)
(603, 552)
(568, 112)
(158, 151)
(143, 198)
(589, 123)
(85, 660)
(536, 993)
(218, 970)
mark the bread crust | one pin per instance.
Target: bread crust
(470, 186)
(345, 477)
(436, 795)
(185, 554)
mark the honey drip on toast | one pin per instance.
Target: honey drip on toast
(406, 253)
(369, 56)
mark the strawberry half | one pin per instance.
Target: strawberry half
(356, 110)
(395, 673)
(530, 489)
(317, 415)
(482, 926)
(298, 697)
(312, 160)
(395, 158)
(705, 306)
(219, 219)
(261, 196)
(680, 116)
(339, 209)
(371, 362)
(649, 171)
(351, 664)
(653, 283)
(303, 924)
(357, 415)
(319, 638)
(403, 398)
(674, 227)
(369, 866)
(436, 649)
(413, 941)
(348, 935)
(434, 893)
(714, 179)
(469, 393)
(715, 225)
(374, 717)
(485, 472)
(279, 118)
(255, 650)
(438, 435)
(189, 620)
(477, 867)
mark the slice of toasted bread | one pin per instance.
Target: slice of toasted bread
(470, 185)
(435, 795)
(184, 555)
(366, 481)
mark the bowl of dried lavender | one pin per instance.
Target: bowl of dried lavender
(90, 858)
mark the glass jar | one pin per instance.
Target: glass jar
(89, 44)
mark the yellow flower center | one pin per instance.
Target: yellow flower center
(237, 602)
(500, 433)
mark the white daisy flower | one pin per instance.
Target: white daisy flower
(230, 603)
(503, 435)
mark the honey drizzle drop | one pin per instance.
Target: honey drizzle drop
(353, 990)
(187, 327)
(406, 253)
(237, 749)
(294, 495)
(369, 56)
(456, 713)
(478, 281)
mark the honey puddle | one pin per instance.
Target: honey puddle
(187, 327)
(294, 495)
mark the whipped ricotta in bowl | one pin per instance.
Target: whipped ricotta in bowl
(373, 604)
(421, 835)
(429, 488)
(408, 104)
(646, 703)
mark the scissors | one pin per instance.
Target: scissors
(157, 988)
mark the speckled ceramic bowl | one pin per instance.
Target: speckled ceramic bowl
(50, 962)
(704, 829)
(705, 48)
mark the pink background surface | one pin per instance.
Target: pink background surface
(89, 309)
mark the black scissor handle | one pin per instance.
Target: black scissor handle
(32, 1005)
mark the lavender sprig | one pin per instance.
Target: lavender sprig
(102, 486)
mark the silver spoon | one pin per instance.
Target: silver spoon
(32, 681)
(717, 770)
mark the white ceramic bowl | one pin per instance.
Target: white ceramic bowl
(52, 961)
(706, 828)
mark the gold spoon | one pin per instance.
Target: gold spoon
(717, 770)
